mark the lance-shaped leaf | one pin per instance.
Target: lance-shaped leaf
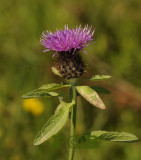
(91, 96)
(55, 123)
(100, 90)
(110, 136)
(40, 93)
(45, 90)
(53, 86)
(98, 77)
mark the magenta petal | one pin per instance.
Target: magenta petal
(67, 39)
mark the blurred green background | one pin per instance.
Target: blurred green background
(23, 67)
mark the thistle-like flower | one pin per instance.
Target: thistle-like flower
(66, 44)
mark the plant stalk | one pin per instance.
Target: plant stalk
(73, 96)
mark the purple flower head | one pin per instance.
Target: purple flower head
(67, 39)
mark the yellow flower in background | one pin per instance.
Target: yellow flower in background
(34, 105)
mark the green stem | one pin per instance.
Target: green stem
(73, 96)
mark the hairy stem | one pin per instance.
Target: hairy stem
(73, 96)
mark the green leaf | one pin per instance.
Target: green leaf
(91, 96)
(98, 77)
(55, 123)
(53, 86)
(100, 90)
(45, 90)
(40, 93)
(113, 136)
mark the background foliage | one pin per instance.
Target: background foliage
(23, 67)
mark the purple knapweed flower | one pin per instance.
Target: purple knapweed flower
(66, 44)
(67, 39)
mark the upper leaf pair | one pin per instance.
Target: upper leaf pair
(90, 94)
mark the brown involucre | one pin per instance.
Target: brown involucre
(70, 64)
